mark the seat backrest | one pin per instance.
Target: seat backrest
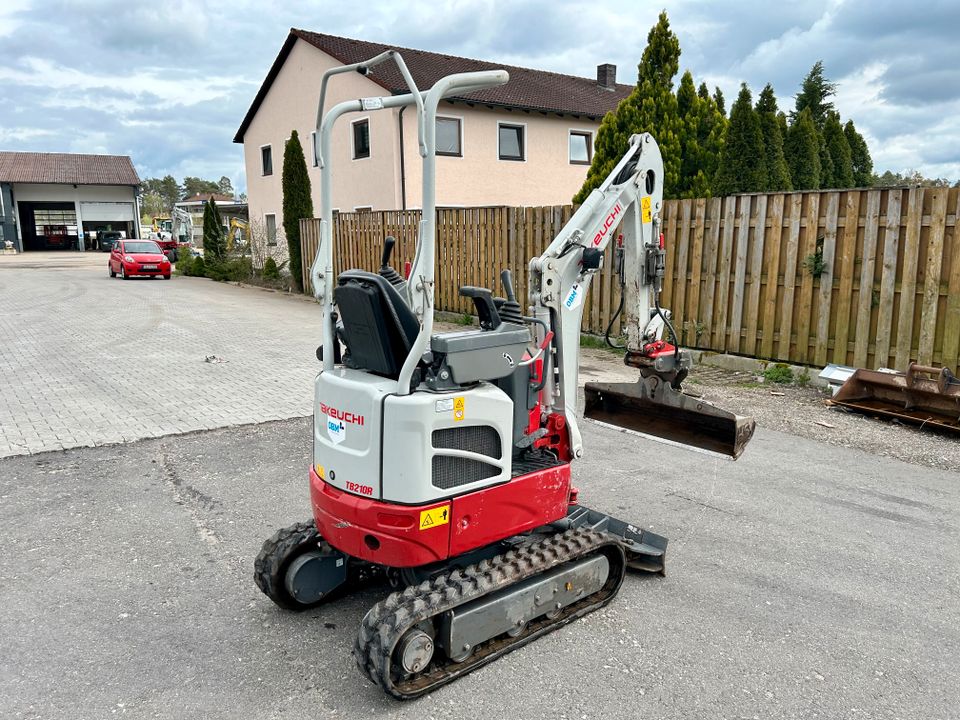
(378, 325)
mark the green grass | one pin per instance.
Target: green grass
(596, 342)
(779, 374)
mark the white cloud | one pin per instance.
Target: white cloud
(170, 82)
(20, 134)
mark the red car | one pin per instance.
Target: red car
(138, 257)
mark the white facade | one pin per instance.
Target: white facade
(388, 176)
(92, 204)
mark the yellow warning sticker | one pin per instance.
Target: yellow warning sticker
(646, 213)
(320, 474)
(434, 517)
(459, 408)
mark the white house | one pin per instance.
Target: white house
(528, 142)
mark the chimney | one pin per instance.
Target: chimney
(607, 76)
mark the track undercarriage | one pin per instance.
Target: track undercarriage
(454, 617)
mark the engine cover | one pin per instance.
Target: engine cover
(439, 445)
(347, 427)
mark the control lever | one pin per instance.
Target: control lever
(509, 309)
(486, 309)
(385, 271)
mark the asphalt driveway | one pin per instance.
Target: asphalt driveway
(804, 581)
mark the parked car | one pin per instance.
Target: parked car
(106, 239)
(130, 258)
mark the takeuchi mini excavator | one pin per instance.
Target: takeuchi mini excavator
(441, 461)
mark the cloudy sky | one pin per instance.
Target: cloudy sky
(169, 82)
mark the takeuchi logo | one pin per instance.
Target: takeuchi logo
(342, 415)
(607, 224)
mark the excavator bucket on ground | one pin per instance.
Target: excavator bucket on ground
(925, 396)
(653, 408)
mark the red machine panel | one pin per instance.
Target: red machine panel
(522, 504)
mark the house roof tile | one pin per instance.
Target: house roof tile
(67, 169)
(533, 90)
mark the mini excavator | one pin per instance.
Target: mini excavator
(441, 461)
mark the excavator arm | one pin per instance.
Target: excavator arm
(631, 199)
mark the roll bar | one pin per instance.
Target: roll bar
(421, 282)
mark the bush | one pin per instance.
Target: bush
(779, 373)
(270, 270)
(184, 263)
(198, 268)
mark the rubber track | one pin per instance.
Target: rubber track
(284, 546)
(388, 620)
(276, 554)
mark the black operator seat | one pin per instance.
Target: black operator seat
(378, 325)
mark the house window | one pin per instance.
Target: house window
(449, 137)
(361, 139)
(510, 141)
(363, 208)
(271, 222)
(266, 159)
(581, 147)
(313, 148)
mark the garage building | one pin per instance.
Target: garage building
(61, 201)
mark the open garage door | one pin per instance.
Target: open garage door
(101, 218)
(48, 225)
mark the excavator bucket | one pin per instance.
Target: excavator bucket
(654, 409)
(925, 396)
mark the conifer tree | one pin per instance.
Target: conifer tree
(839, 149)
(827, 176)
(802, 150)
(651, 107)
(815, 91)
(297, 203)
(686, 95)
(214, 242)
(742, 162)
(860, 159)
(778, 174)
(701, 140)
(718, 99)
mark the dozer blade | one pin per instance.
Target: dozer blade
(652, 408)
(925, 396)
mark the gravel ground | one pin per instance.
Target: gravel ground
(798, 411)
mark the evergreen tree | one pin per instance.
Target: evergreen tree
(214, 242)
(802, 150)
(651, 107)
(198, 186)
(778, 174)
(297, 203)
(839, 150)
(742, 162)
(814, 93)
(701, 139)
(686, 95)
(827, 175)
(225, 186)
(860, 159)
(718, 99)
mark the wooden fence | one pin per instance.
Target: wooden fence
(868, 278)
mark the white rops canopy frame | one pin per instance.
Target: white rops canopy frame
(421, 282)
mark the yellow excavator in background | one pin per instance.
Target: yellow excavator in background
(239, 235)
